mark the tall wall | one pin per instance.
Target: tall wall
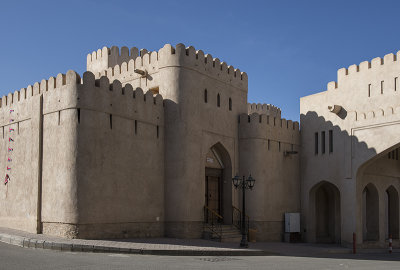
(367, 94)
(264, 143)
(33, 180)
(267, 109)
(77, 164)
(182, 75)
(120, 161)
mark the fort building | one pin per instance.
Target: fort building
(145, 144)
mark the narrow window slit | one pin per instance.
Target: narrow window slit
(369, 90)
(135, 127)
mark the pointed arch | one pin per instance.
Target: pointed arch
(392, 212)
(370, 213)
(221, 168)
(325, 213)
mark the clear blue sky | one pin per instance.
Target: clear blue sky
(288, 48)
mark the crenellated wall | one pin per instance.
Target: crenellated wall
(366, 126)
(269, 150)
(22, 197)
(203, 97)
(267, 109)
(120, 160)
(121, 66)
(77, 167)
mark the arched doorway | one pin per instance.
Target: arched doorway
(392, 213)
(218, 183)
(325, 203)
(370, 213)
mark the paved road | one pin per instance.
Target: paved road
(13, 257)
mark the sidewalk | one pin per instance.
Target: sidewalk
(171, 246)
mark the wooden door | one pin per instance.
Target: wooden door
(212, 193)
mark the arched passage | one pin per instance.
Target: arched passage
(218, 183)
(325, 207)
(392, 213)
(370, 213)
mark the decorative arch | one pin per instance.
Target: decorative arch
(221, 168)
(370, 213)
(325, 219)
(392, 212)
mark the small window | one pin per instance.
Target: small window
(279, 146)
(369, 90)
(111, 121)
(269, 144)
(136, 127)
(158, 131)
(381, 87)
(79, 116)
(205, 96)
(230, 104)
(323, 142)
(218, 100)
(330, 141)
(316, 143)
(395, 83)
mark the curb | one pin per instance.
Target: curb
(58, 246)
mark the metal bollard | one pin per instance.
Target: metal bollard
(390, 244)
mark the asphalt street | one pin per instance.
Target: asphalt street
(14, 257)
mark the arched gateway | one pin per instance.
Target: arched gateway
(218, 183)
(325, 213)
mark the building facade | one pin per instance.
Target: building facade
(145, 144)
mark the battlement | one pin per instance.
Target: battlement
(67, 91)
(262, 126)
(122, 66)
(267, 109)
(113, 98)
(376, 65)
(70, 78)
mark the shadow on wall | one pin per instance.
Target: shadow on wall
(326, 160)
(331, 155)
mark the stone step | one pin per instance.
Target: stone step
(229, 233)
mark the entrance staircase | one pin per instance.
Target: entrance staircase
(214, 229)
(227, 234)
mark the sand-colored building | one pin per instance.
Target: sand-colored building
(145, 144)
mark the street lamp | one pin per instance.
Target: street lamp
(243, 184)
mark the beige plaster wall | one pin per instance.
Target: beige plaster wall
(366, 126)
(192, 126)
(263, 141)
(120, 168)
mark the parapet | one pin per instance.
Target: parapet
(262, 126)
(267, 109)
(375, 65)
(124, 101)
(70, 78)
(116, 65)
(68, 91)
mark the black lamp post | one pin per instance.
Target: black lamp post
(243, 184)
